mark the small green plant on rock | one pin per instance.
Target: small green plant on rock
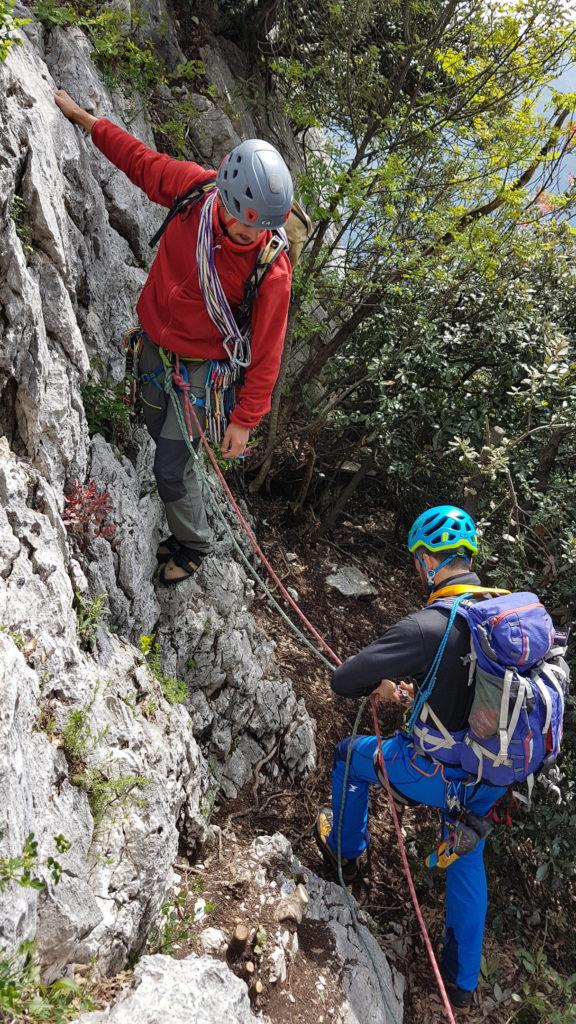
(78, 740)
(174, 690)
(173, 927)
(106, 413)
(114, 51)
(20, 869)
(16, 638)
(23, 996)
(90, 614)
(21, 223)
(106, 794)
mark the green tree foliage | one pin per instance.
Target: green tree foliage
(430, 339)
(9, 26)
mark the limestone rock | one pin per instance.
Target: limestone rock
(365, 995)
(351, 582)
(197, 990)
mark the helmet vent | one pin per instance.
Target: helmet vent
(234, 172)
(237, 206)
(238, 159)
(248, 194)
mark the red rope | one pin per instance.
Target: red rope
(406, 867)
(189, 413)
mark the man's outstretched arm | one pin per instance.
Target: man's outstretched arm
(161, 177)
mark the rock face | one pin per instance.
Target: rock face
(197, 990)
(90, 749)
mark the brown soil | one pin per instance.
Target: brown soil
(311, 992)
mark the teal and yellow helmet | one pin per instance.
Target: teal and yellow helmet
(443, 528)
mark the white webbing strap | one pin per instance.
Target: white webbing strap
(503, 723)
(543, 689)
(482, 752)
(431, 744)
(523, 687)
(557, 676)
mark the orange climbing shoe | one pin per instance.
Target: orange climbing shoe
(322, 829)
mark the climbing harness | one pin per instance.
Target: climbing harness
(184, 411)
(220, 390)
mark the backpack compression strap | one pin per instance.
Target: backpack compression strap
(455, 589)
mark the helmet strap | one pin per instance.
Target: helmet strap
(431, 573)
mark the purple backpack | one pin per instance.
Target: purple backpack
(519, 676)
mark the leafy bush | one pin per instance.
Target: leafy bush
(22, 994)
(120, 59)
(21, 223)
(86, 511)
(105, 793)
(106, 413)
(9, 25)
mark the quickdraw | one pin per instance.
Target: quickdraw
(132, 342)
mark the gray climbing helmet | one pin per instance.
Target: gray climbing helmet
(255, 185)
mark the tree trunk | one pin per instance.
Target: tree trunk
(275, 408)
(346, 493)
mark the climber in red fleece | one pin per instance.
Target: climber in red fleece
(254, 195)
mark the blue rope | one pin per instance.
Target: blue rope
(429, 681)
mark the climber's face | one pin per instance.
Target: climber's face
(242, 234)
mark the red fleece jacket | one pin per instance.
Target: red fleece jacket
(171, 308)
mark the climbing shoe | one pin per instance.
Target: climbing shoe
(322, 829)
(460, 998)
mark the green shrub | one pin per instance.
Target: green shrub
(19, 869)
(90, 614)
(106, 413)
(21, 223)
(8, 26)
(103, 792)
(16, 638)
(120, 59)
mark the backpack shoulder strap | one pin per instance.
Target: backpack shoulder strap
(182, 203)
(266, 259)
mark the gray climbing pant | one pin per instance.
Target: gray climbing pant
(178, 484)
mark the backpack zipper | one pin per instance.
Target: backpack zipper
(514, 611)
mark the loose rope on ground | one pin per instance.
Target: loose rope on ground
(187, 419)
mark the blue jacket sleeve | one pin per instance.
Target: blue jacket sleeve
(398, 654)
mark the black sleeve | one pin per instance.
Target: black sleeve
(397, 654)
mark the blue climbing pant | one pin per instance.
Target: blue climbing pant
(418, 780)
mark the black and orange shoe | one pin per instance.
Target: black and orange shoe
(322, 829)
(460, 998)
